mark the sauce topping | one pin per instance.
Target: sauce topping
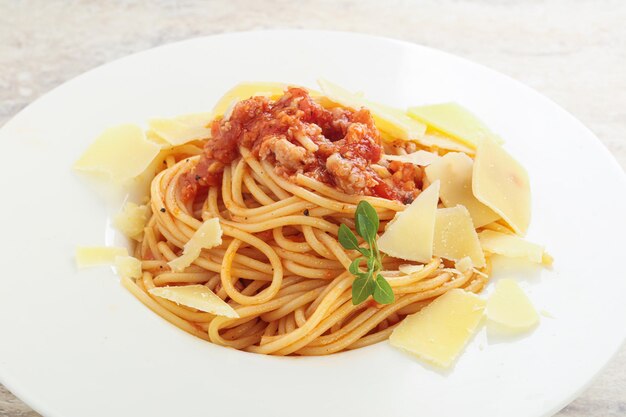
(338, 146)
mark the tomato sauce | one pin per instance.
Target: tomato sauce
(336, 146)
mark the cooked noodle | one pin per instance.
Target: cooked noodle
(280, 265)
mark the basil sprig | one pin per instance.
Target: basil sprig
(370, 282)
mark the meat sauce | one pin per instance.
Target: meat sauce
(338, 146)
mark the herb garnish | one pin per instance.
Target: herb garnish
(370, 282)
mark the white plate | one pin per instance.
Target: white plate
(76, 344)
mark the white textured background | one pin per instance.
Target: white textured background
(572, 51)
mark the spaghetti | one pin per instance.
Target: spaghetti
(280, 265)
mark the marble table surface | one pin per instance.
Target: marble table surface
(573, 51)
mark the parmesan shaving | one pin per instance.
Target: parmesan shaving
(182, 129)
(128, 267)
(121, 152)
(244, 91)
(207, 236)
(454, 120)
(511, 246)
(87, 256)
(464, 264)
(410, 235)
(199, 297)
(421, 158)
(510, 309)
(409, 269)
(437, 140)
(132, 220)
(547, 259)
(440, 331)
(455, 236)
(454, 170)
(502, 184)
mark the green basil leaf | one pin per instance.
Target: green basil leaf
(365, 252)
(365, 228)
(357, 223)
(371, 264)
(347, 238)
(354, 266)
(362, 287)
(369, 212)
(383, 293)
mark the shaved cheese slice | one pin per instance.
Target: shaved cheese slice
(454, 170)
(182, 129)
(437, 140)
(97, 255)
(511, 246)
(510, 309)
(128, 267)
(454, 120)
(207, 236)
(464, 264)
(502, 184)
(497, 227)
(132, 220)
(455, 236)
(421, 158)
(153, 136)
(244, 91)
(388, 119)
(547, 259)
(410, 234)
(199, 297)
(121, 152)
(410, 269)
(439, 331)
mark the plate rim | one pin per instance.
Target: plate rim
(20, 392)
